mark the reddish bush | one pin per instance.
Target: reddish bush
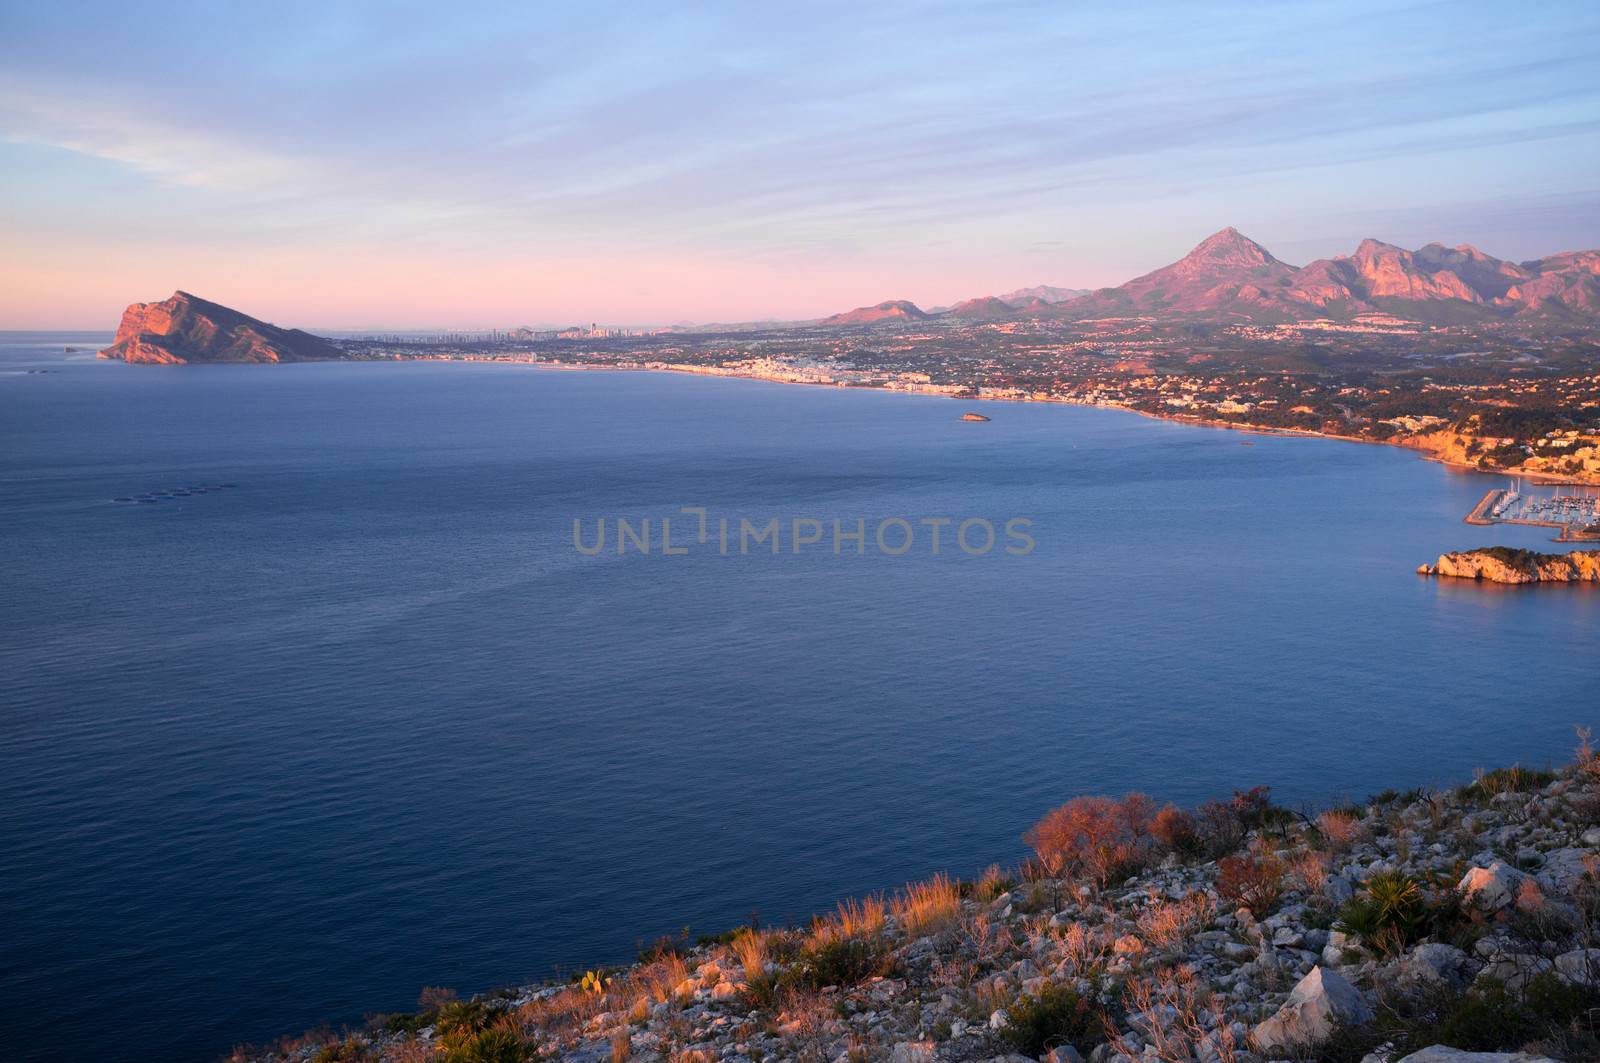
(1176, 829)
(1096, 837)
(1251, 881)
(1221, 831)
(1222, 825)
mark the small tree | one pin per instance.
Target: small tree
(1095, 837)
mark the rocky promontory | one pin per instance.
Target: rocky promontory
(1451, 925)
(186, 328)
(1503, 564)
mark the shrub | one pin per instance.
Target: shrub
(1057, 1016)
(1584, 755)
(1095, 837)
(1515, 779)
(434, 997)
(497, 1045)
(1251, 881)
(1489, 1017)
(664, 946)
(1221, 831)
(1390, 913)
(990, 885)
(352, 1050)
(1176, 829)
(842, 962)
(463, 1017)
(764, 989)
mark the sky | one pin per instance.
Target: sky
(359, 165)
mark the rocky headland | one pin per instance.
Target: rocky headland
(186, 328)
(1431, 926)
(1503, 564)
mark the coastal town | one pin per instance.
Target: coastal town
(1498, 396)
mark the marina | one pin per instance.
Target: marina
(1574, 511)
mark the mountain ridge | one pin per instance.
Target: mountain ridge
(1228, 274)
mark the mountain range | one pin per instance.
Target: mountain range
(1227, 278)
(1231, 277)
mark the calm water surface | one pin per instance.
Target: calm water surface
(288, 751)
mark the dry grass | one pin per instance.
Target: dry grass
(1169, 925)
(954, 973)
(564, 1013)
(861, 918)
(621, 1045)
(1177, 996)
(688, 1055)
(1309, 871)
(803, 1022)
(750, 947)
(1341, 829)
(987, 938)
(1588, 760)
(927, 907)
(1085, 948)
(991, 995)
(660, 980)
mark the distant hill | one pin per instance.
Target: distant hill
(1041, 294)
(1229, 275)
(988, 308)
(186, 328)
(893, 310)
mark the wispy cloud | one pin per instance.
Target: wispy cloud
(778, 133)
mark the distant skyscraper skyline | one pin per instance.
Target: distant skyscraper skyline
(370, 165)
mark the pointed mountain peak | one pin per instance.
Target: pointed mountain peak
(1230, 247)
(1371, 248)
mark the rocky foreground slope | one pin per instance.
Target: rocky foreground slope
(186, 328)
(1502, 564)
(1426, 926)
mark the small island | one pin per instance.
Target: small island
(973, 417)
(1504, 564)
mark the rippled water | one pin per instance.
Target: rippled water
(286, 752)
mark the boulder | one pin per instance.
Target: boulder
(912, 1052)
(1435, 964)
(1514, 971)
(1063, 1054)
(1563, 869)
(1319, 1004)
(1580, 966)
(1441, 1054)
(1491, 888)
(1127, 945)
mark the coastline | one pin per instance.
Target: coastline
(1540, 478)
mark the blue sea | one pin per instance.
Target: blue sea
(341, 712)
